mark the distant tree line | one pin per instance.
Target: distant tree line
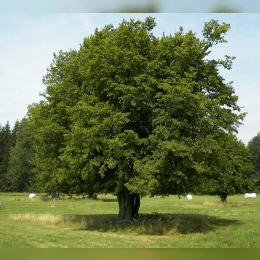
(16, 153)
(7, 142)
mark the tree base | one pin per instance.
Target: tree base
(125, 220)
(128, 206)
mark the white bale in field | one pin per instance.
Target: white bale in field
(189, 197)
(250, 195)
(0, 204)
(253, 195)
(32, 195)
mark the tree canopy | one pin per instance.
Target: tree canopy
(7, 141)
(135, 115)
(228, 169)
(20, 174)
(254, 148)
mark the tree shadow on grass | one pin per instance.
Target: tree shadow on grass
(197, 223)
(150, 224)
(108, 200)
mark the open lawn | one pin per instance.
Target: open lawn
(170, 222)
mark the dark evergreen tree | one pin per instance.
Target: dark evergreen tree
(20, 175)
(14, 133)
(2, 149)
(6, 142)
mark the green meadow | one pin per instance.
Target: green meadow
(203, 222)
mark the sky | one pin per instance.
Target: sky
(28, 41)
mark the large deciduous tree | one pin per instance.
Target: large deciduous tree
(254, 148)
(228, 169)
(133, 114)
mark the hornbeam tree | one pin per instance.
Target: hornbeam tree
(134, 115)
(254, 149)
(229, 169)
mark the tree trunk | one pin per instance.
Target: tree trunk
(135, 198)
(223, 197)
(55, 194)
(128, 205)
(92, 196)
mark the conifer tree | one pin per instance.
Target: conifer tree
(7, 140)
(20, 175)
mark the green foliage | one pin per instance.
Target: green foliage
(133, 112)
(229, 167)
(254, 148)
(7, 141)
(19, 174)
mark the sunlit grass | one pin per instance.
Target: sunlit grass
(41, 199)
(146, 224)
(41, 218)
(203, 222)
(220, 204)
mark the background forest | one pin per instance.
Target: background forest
(17, 151)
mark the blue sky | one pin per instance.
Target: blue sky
(94, 6)
(27, 43)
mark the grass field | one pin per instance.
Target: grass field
(170, 222)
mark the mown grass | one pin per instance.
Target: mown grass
(203, 222)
